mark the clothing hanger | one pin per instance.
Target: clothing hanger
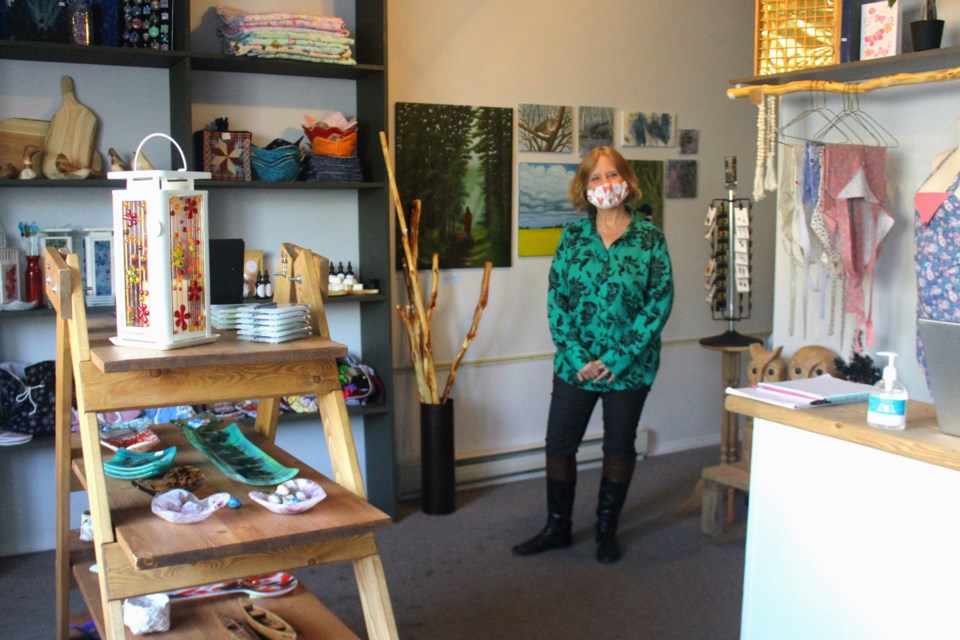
(856, 125)
(818, 109)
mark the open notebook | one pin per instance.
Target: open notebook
(805, 393)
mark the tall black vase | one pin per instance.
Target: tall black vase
(437, 478)
(926, 34)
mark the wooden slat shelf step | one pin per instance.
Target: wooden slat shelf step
(195, 620)
(729, 475)
(152, 542)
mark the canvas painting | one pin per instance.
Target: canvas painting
(547, 128)
(649, 129)
(596, 128)
(458, 161)
(689, 141)
(650, 176)
(681, 179)
(543, 206)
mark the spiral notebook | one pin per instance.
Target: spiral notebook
(806, 393)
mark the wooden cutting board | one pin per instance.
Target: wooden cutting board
(72, 132)
(18, 133)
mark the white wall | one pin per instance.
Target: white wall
(924, 121)
(644, 55)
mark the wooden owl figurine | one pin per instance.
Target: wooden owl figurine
(812, 361)
(765, 365)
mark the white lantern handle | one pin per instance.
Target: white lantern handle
(136, 154)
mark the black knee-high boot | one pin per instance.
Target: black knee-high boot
(613, 492)
(561, 487)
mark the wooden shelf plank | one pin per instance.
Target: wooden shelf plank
(152, 542)
(226, 351)
(194, 619)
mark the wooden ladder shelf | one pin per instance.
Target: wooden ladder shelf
(138, 553)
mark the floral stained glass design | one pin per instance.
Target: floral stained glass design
(186, 263)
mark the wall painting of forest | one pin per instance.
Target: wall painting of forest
(458, 161)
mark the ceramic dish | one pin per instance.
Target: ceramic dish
(127, 465)
(182, 507)
(238, 458)
(291, 497)
(182, 477)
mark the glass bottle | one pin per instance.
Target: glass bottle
(33, 276)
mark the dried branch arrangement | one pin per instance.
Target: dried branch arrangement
(416, 316)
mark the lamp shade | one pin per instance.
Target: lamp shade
(161, 259)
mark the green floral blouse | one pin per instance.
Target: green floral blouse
(609, 304)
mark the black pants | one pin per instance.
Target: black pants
(570, 410)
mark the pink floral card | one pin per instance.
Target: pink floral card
(879, 29)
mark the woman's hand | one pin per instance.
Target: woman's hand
(595, 371)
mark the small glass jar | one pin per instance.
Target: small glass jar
(33, 275)
(80, 23)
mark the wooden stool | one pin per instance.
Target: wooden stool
(718, 481)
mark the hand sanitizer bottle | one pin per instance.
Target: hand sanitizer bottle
(887, 405)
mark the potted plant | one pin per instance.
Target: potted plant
(927, 31)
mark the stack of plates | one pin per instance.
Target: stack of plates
(274, 322)
(225, 316)
(128, 465)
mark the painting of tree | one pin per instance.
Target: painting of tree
(458, 161)
(543, 127)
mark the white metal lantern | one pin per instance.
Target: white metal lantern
(160, 257)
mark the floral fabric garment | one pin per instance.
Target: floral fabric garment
(610, 303)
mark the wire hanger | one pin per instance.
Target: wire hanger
(856, 124)
(817, 110)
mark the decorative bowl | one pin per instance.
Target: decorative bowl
(127, 465)
(179, 506)
(281, 164)
(286, 501)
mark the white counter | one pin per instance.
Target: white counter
(852, 531)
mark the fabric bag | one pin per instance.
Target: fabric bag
(28, 397)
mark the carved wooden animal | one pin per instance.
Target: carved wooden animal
(765, 365)
(812, 361)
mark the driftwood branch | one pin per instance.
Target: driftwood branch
(471, 334)
(414, 316)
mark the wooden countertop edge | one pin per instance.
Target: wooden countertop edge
(922, 440)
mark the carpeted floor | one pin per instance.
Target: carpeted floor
(453, 577)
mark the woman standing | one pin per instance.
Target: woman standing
(611, 291)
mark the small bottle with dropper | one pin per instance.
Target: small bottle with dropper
(887, 404)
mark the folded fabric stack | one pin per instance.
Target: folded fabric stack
(334, 143)
(290, 36)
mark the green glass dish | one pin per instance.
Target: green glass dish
(128, 465)
(238, 458)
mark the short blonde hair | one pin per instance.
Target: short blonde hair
(578, 186)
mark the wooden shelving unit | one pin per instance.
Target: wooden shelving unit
(367, 80)
(138, 553)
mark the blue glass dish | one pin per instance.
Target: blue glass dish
(128, 465)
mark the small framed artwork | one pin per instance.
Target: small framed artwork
(681, 179)
(880, 29)
(548, 128)
(60, 239)
(595, 129)
(649, 129)
(97, 261)
(689, 141)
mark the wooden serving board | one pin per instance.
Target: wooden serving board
(18, 133)
(72, 132)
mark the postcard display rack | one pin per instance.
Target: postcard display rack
(728, 272)
(138, 553)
